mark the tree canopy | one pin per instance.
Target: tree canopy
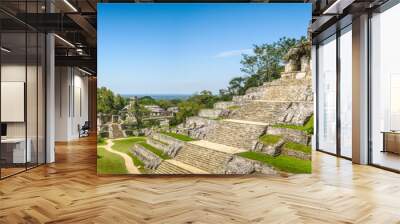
(265, 64)
(108, 102)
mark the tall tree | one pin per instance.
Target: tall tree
(267, 62)
(236, 85)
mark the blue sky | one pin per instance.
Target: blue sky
(186, 48)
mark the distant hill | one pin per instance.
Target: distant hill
(160, 96)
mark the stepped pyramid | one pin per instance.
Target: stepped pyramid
(116, 131)
(236, 126)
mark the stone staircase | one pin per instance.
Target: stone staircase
(239, 134)
(236, 126)
(204, 158)
(273, 112)
(117, 131)
(294, 92)
(283, 89)
(169, 168)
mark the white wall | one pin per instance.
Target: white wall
(71, 103)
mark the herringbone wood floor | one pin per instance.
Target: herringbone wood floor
(69, 191)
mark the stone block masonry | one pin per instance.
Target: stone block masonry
(292, 135)
(274, 112)
(210, 113)
(149, 159)
(168, 144)
(203, 158)
(243, 135)
(224, 131)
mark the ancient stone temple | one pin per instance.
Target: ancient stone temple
(240, 125)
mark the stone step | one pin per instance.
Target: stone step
(203, 158)
(224, 105)
(235, 133)
(288, 93)
(281, 90)
(166, 167)
(210, 113)
(246, 122)
(199, 127)
(288, 82)
(273, 112)
(292, 135)
(217, 147)
(116, 131)
(158, 144)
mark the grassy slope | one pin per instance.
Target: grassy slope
(156, 151)
(101, 141)
(270, 139)
(284, 163)
(178, 136)
(307, 128)
(298, 147)
(109, 163)
(123, 145)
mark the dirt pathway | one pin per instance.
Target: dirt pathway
(128, 160)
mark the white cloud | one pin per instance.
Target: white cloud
(233, 53)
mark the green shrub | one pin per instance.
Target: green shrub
(308, 128)
(101, 140)
(283, 163)
(270, 139)
(298, 147)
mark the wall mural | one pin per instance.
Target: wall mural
(204, 89)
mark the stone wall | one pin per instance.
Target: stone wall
(294, 153)
(270, 149)
(288, 93)
(239, 135)
(296, 113)
(171, 146)
(150, 160)
(210, 113)
(260, 111)
(240, 165)
(199, 127)
(224, 105)
(290, 135)
(158, 144)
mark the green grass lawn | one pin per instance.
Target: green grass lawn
(123, 145)
(156, 151)
(109, 163)
(307, 128)
(234, 107)
(298, 147)
(284, 163)
(101, 141)
(181, 137)
(270, 139)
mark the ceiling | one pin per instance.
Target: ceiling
(73, 21)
